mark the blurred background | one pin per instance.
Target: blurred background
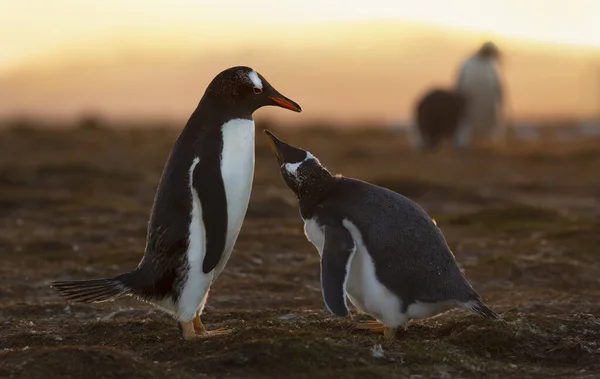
(346, 63)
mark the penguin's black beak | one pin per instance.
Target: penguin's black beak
(282, 101)
(274, 144)
(285, 153)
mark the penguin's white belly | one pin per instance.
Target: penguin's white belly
(480, 83)
(237, 170)
(365, 291)
(372, 297)
(363, 288)
(480, 80)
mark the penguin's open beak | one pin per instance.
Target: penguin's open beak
(273, 144)
(282, 101)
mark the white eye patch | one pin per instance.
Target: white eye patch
(253, 76)
(292, 168)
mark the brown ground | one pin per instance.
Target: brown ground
(523, 223)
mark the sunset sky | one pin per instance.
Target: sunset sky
(40, 32)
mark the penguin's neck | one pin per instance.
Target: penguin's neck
(313, 190)
(218, 106)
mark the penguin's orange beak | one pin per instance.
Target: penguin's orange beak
(286, 103)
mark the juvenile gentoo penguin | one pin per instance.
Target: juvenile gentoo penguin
(377, 247)
(199, 206)
(479, 81)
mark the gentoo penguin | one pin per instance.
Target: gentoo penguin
(377, 247)
(199, 206)
(437, 115)
(479, 81)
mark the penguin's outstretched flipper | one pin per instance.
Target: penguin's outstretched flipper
(335, 267)
(92, 291)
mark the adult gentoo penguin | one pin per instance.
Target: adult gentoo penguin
(199, 206)
(479, 81)
(376, 246)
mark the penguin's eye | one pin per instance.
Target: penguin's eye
(257, 90)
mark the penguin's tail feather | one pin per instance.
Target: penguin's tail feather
(478, 307)
(92, 291)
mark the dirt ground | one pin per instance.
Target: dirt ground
(523, 223)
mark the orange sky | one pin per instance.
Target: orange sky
(29, 28)
(41, 39)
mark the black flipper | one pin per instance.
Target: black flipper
(337, 253)
(211, 194)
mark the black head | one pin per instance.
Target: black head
(301, 171)
(242, 91)
(489, 50)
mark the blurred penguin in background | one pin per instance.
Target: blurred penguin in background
(437, 115)
(480, 83)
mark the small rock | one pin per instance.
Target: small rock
(377, 351)
(257, 261)
(110, 315)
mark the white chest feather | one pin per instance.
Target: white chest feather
(366, 292)
(197, 283)
(363, 288)
(480, 78)
(314, 234)
(237, 170)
